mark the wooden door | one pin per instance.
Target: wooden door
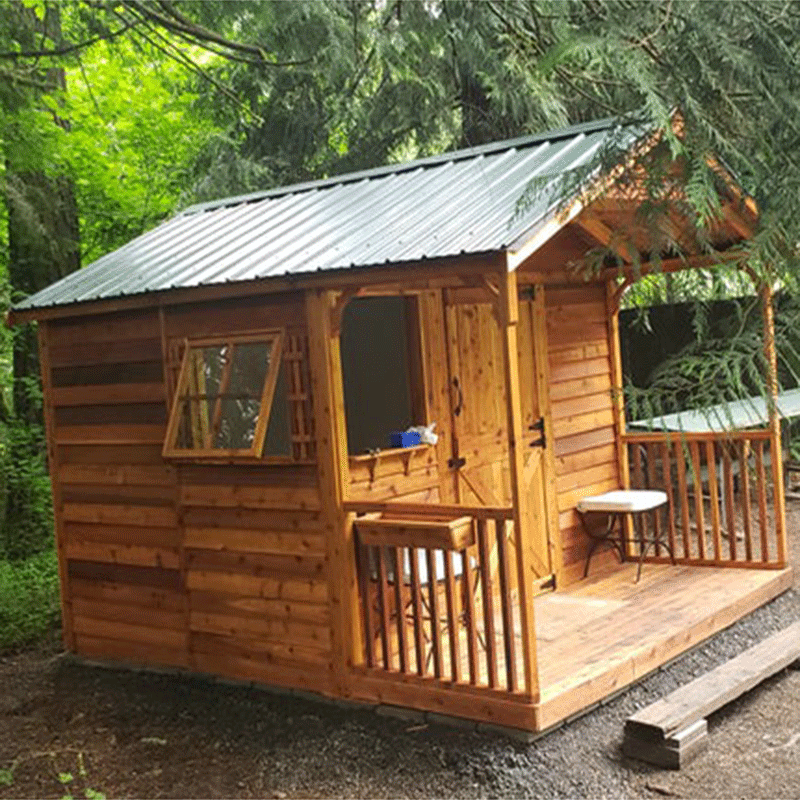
(479, 428)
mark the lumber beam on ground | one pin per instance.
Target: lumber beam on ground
(672, 730)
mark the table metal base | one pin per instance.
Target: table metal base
(619, 541)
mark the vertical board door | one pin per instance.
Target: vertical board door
(479, 426)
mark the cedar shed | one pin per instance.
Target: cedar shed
(219, 394)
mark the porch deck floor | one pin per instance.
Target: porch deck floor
(603, 633)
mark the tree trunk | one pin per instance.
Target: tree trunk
(43, 232)
(476, 120)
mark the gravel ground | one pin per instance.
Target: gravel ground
(132, 734)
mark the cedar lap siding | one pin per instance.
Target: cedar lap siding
(232, 564)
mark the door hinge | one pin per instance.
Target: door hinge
(538, 426)
(456, 463)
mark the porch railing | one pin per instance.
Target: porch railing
(438, 594)
(720, 489)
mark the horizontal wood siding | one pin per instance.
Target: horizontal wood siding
(255, 569)
(582, 411)
(117, 522)
(395, 475)
(219, 568)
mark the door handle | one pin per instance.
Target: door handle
(460, 403)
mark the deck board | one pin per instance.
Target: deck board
(594, 637)
(608, 631)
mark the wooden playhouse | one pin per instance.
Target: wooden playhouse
(219, 394)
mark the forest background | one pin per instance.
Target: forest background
(114, 114)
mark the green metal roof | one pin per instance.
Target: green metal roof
(464, 202)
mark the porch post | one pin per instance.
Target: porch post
(617, 398)
(613, 300)
(333, 476)
(779, 500)
(508, 319)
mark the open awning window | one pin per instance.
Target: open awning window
(225, 396)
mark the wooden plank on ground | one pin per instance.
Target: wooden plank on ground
(661, 726)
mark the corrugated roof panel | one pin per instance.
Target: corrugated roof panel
(469, 201)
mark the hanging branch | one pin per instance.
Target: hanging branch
(71, 48)
(170, 50)
(172, 20)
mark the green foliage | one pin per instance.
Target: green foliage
(7, 775)
(29, 598)
(133, 137)
(71, 784)
(725, 362)
(27, 525)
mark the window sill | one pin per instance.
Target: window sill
(390, 452)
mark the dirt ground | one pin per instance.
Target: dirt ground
(68, 729)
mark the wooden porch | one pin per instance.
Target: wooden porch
(593, 639)
(444, 626)
(606, 632)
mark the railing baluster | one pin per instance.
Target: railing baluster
(680, 460)
(744, 494)
(638, 479)
(505, 604)
(364, 579)
(410, 599)
(699, 512)
(400, 600)
(730, 467)
(452, 618)
(730, 509)
(711, 465)
(488, 603)
(383, 602)
(416, 610)
(761, 479)
(667, 469)
(468, 604)
(652, 452)
(433, 598)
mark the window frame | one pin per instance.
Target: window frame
(276, 337)
(414, 367)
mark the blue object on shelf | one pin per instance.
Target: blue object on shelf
(404, 438)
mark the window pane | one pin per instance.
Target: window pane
(221, 403)
(376, 366)
(237, 424)
(279, 437)
(250, 366)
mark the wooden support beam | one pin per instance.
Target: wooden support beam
(776, 451)
(433, 347)
(667, 265)
(325, 367)
(613, 296)
(607, 237)
(337, 311)
(668, 731)
(676, 264)
(736, 220)
(509, 308)
(169, 395)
